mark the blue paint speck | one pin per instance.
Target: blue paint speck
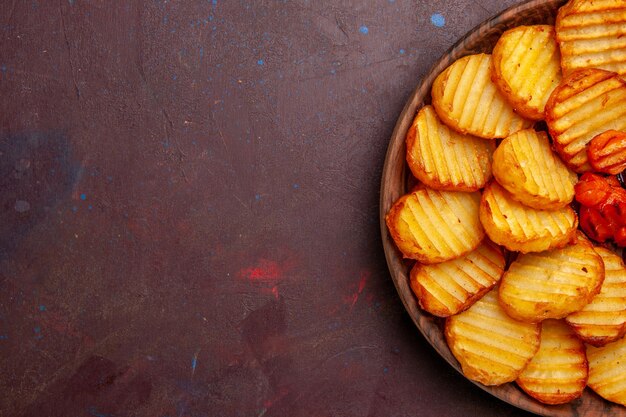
(37, 329)
(74, 209)
(4, 337)
(42, 308)
(333, 71)
(94, 412)
(174, 77)
(257, 197)
(90, 207)
(201, 52)
(385, 370)
(296, 186)
(438, 20)
(364, 30)
(70, 2)
(83, 197)
(260, 62)
(402, 51)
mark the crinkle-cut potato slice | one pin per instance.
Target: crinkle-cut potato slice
(607, 370)
(434, 226)
(468, 101)
(450, 287)
(558, 372)
(607, 152)
(552, 284)
(586, 103)
(592, 34)
(444, 159)
(521, 228)
(603, 320)
(525, 165)
(491, 347)
(526, 67)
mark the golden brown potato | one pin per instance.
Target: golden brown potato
(491, 347)
(526, 67)
(586, 103)
(607, 370)
(449, 287)
(525, 165)
(592, 34)
(468, 101)
(558, 373)
(552, 284)
(434, 226)
(520, 228)
(444, 159)
(603, 320)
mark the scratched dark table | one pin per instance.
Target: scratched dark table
(189, 209)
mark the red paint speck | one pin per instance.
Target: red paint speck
(279, 396)
(353, 298)
(265, 271)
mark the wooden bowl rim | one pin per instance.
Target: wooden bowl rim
(590, 404)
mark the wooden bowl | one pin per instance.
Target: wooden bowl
(397, 178)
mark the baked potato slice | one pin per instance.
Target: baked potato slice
(521, 228)
(434, 226)
(587, 103)
(466, 99)
(450, 287)
(444, 159)
(592, 34)
(525, 165)
(491, 347)
(603, 320)
(558, 372)
(607, 370)
(526, 68)
(552, 284)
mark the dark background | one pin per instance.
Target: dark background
(189, 208)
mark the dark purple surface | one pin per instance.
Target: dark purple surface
(189, 196)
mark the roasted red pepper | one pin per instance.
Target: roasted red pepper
(603, 208)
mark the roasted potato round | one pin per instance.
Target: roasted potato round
(603, 320)
(552, 284)
(558, 373)
(520, 228)
(592, 34)
(449, 287)
(587, 103)
(525, 165)
(434, 226)
(491, 347)
(526, 67)
(468, 101)
(444, 159)
(607, 370)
